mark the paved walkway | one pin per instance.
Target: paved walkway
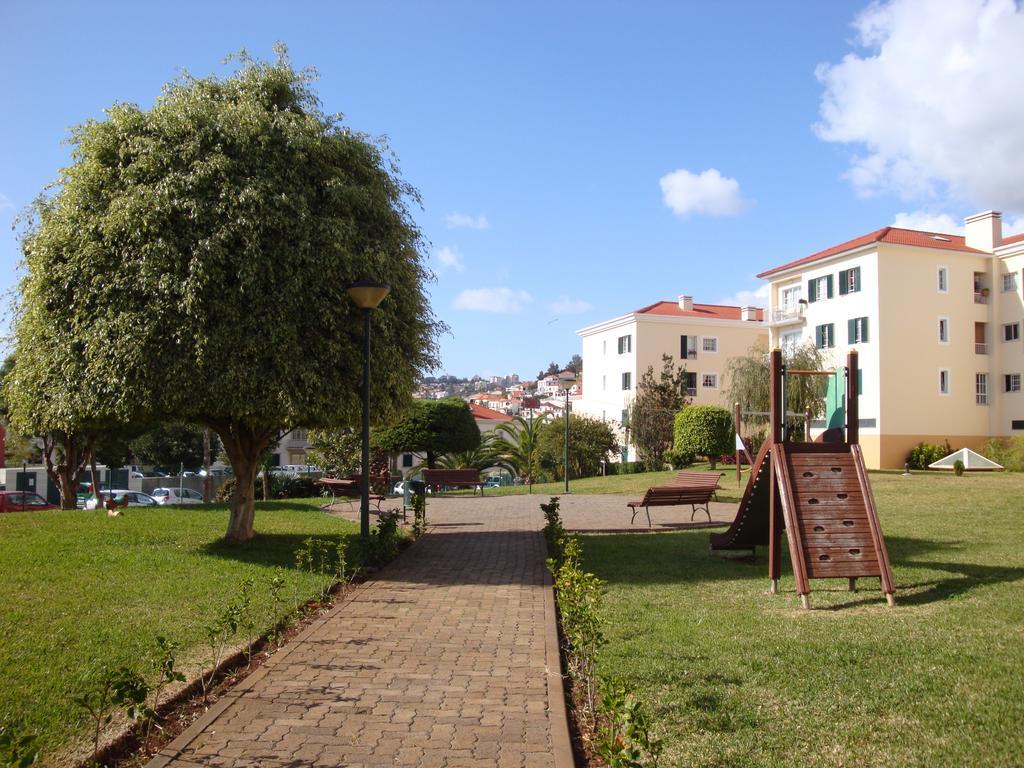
(449, 658)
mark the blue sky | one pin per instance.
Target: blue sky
(580, 160)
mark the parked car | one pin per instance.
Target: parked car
(23, 501)
(177, 496)
(492, 482)
(399, 488)
(122, 498)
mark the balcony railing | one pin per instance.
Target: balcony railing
(691, 391)
(787, 314)
(980, 349)
(981, 399)
(980, 298)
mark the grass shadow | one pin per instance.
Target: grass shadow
(276, 550)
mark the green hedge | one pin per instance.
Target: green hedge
(703, 430)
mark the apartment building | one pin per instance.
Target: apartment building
(936, 319)
(703, 337)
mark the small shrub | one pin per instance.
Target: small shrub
(923, 454)
(958, 468)
(679, 459)
(625, 467)
(419, 513)
(1009, 452)
(703, 430)
(624, 739)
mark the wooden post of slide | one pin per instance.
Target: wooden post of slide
(852, 408)
(774, 455)
(736, 423)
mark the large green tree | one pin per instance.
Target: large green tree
(170, 446)
(591, 441)
(432, 427)
(652, 412)
(192, 263)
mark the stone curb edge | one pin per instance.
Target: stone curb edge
(561, 745)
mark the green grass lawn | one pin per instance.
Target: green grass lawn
(634, 484)
(80, 590)
(736, 677)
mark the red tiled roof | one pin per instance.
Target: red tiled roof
(706, 311)
(1013, 239)
(892, 235)
(486, 414)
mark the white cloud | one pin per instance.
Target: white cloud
(755, 298)
(707, 193)
(566, 305)
(930, 100)
(449, 258)
(929, 222)
(458, 220)
(504, 301)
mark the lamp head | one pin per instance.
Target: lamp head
(368, 294)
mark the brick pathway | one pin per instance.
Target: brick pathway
(449, 658)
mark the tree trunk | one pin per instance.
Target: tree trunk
(207, 479)
(71, 458)
(95, 478)
(243, 445)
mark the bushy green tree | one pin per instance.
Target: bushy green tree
(337, 451)
(652, 412)
(170, 446)
(192, 263)
(704, 430)
(748, 378)
(590, 442)
(432, 427)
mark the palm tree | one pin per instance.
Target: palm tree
(516, 443)
(481, 457)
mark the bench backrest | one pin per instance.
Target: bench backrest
(673, 494)
(697, 479)
(451, 475)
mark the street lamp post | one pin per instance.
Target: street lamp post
(367, 295)
(565, 380)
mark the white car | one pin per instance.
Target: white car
(177, 496)
(123, 498)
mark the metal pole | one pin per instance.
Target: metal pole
(364, 496)
(566, 447)
(529, 470)
(736, 423)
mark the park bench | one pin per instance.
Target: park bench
(454, 478)
(693, 488)
(347, 488)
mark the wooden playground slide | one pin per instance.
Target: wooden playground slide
(750, 528)
(820, 494)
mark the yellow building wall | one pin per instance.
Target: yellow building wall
(910, 354)
(657, 337)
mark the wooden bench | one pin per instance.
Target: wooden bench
(696, 489)
(458, 478)
(349, 489)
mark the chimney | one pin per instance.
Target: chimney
(686, 303)
(984, 231)
(748, 313)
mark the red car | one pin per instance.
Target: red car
(23, 501)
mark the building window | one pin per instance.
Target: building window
(709, 343)
(825, 336)
(790, 341)
(300, 434)
(688, 347)
(943, 381)
(820, 288)
(627, 380)
(943, 330)
(791, 298)
(943, 280)
(981, 388)
(625, 344)
(406, 460)
(1011, 332)
(849, 281)
(857, 330)
(1011, 382)
(624, 421)
(690, 383)
(604, 346)
(709, 380)
(604, 382)
(1010, 282)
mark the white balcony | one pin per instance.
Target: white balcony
(786, 316)
(980, 349)
(981, 297)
